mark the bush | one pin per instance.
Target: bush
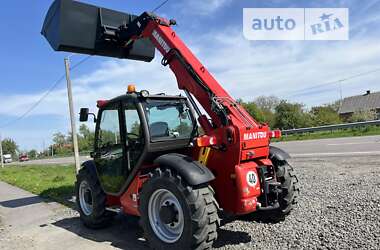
(362, 116)
(291, 115)
(324, 115)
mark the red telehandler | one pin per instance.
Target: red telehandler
(158, 156)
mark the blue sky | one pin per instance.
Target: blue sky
(212, 29)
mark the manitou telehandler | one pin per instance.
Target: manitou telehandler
(161, 157)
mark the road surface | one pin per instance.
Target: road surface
(52, 161)
(28, 222)
(352, 146)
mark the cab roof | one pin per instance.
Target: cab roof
(138, 97)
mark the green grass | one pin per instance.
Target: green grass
(369, 130)
(51, 182)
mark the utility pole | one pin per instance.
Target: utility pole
(1, 151)
(341, 93)
(72, 115)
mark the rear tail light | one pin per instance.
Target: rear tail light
(206, 141)
(275, 133)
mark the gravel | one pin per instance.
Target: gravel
(338, 208)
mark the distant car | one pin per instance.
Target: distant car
(23, 158)
(7, 158)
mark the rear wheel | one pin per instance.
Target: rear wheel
(175, 215)
(287, 196)
(91, 200)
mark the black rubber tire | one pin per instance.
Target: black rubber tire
(288, 195)
(99, 218)
(199, 207)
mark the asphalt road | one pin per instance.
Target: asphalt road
(52, 161)
(353, 146)
(338, 208)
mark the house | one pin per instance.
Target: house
(367, 102)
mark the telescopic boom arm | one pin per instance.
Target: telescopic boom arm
(192, 76)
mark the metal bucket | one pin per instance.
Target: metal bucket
(78, 27)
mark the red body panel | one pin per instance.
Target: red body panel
(130, 199)
(113, 201)
(247, 192)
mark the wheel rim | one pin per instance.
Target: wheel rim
(160, 200)
(85, 198)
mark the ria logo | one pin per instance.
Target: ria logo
(161, 41)
(327, 24)
(254, 135)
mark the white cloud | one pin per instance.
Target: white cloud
(248, 69)
(110, 80)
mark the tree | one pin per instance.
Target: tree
(335, 105)
(59, 139)
(85, 138)
(291, 115)
(254, 111)
(183, 129)
(9, 146)
(324, 115)
(85, 131)
(33, 154)
(135, 128)
(267, 103)
(63, 143)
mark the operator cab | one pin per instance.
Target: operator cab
(133, 129)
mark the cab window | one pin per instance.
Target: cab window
(168, 119)
(135, 137)
(109, 159)
(109, 132)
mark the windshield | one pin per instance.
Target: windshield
(168, 119)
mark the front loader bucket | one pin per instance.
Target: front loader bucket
(78, 27)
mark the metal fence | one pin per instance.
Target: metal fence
(330, 127)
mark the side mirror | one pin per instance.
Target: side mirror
(83, 115)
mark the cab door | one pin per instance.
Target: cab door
(135, 141)
(109, 155)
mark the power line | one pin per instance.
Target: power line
(80, 62)
(304, 91)
(56, 83)
(160, 5)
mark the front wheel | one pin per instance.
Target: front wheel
(91, 200)
(175, 215)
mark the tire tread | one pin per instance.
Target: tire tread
(203, 210)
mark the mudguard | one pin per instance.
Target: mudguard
(192, 171)
(278, 154)
(90, 166)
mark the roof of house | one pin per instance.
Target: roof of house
(368, 101)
